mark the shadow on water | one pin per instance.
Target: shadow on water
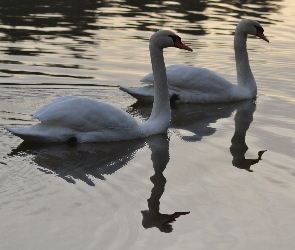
(152, 217)
(80, 161)
(84, 161)
(238, 149)
(197, 119)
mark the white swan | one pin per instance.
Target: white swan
(88, 120)
(195, 84)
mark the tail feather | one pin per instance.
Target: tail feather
(40, 133)
(23, 133)
(145, 93)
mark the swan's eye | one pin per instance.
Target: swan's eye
(175, 37)
(259, 29)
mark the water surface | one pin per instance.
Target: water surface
(222, 177)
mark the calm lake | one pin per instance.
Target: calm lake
(223, 177)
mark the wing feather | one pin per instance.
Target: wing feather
(84, 114)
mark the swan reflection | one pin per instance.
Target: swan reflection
(82, 161)
(152, 217)
(238, 149)
(195, 118)
(73, 162)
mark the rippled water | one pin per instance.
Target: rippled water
(201, 186)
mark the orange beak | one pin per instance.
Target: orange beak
(262, 36)
(181, 45)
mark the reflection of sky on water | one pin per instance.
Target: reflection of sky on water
(72, 42)
(80, 21)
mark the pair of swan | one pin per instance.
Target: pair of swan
(200, 85)
(80, 119)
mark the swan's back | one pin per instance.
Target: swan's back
(192, 84)
(83, 114)
(190, 77)
(85, 119)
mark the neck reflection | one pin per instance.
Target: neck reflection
(238, 149)
(159, 145)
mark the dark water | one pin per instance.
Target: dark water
(207, 184)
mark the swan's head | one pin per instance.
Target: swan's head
(166, 38)
(251, 27)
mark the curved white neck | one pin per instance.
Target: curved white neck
(160, 117)
(244, 73)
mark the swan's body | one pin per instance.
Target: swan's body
(88, 120)
(196, 84)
